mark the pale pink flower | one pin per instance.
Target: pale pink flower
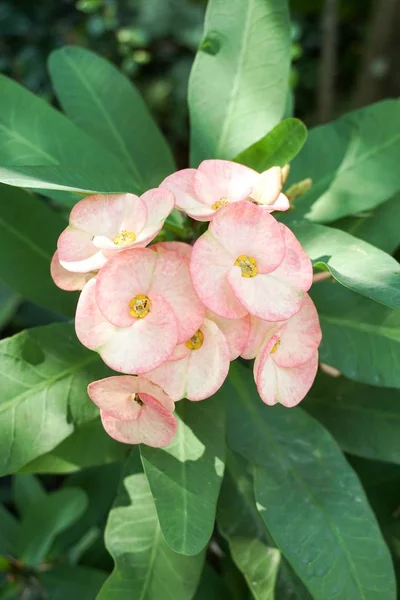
(181, 248)
(202, 192)
(197, 368)
(134, 410)
(102, 225)
(236, 332)
(247, 262)
(66, 280)
(139, 307)
(286, 355)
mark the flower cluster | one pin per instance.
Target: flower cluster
(170, 316)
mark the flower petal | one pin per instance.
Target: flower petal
(114, 395)
(217, 180)
(155, 427)
(236, 332)
(66, 280)
(267, 187)
(300, 337)
(287, 386)
(126, 275)
(77, 253)
(199, 373)
(135, 349)
(181, 185)
(246, 229)
(172, 281)
(209, 268)
(159, 204)
(105, 214)
(181, 248)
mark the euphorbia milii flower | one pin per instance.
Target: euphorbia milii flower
(236, 332)
(66, 280)
(247, 262)
(286, 355)
(202, 192)
(101, 225)
(197, 368)
(134, 410)
(139, 307)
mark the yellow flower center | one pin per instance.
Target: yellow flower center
(219, 203)
(124, 238)
(247, 265)
(275, 346)
(139, 306)
(196, 341)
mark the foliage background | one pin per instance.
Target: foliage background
(154, 43)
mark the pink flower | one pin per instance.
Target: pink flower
(236, 332)
(134, 410)
(286, 355)
(102, 225)
(66, 280)
(247, 262)
(197, 368)
(202, 192)
(139, 307)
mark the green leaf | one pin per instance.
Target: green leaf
(146, 568)
(26, 490)
(87, 446)
(241, 525)
(310, 498)
(44, 520)
(239, 81)
(105, 104)
(187, 475)
(45, 372)
(379, 227)
(355, 264)
(9, 533)
(277, 148)
(363, 419)
(211, 586)
(28, 233)
(33, 133)
(77, 583)
(352, 162)
(9, 301)
(359, 337)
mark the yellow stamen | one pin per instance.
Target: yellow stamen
(139, 306)
(124, 238)
(247, 265)
(219, 203)
(275, 346)
(196, 341)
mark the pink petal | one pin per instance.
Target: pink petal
(155, 427)
(223, 179)
(300, 337)
(171, 280)
(236, 332)
(287, 386)
(267, 187)
(159, 204)
(180, 184)
(264, 296)
(259, 331)
(296, 268)
(209, 268)
(181, 248)
(281, 203)
(126, 275)
(199, 373)
(106, 214)
(246, 229)
(76, 251)
(136, 349)
(66, 280)
(114, 395)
